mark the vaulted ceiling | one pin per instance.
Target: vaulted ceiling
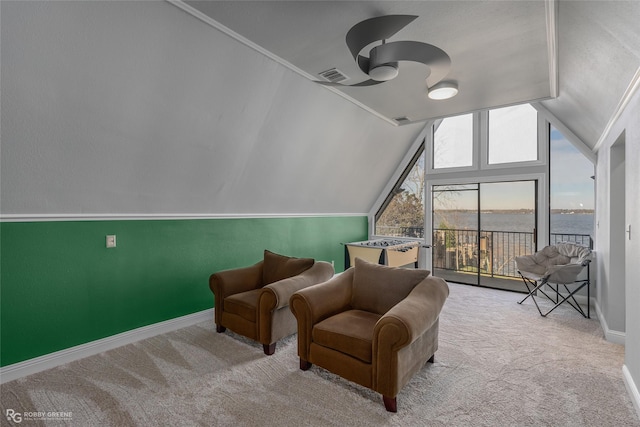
(500, 51)
(577, 57)
(210, 108)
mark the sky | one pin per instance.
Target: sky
(571, 184)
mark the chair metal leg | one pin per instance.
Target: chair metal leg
(557, 299)
(527, 282)
(534, 288)
(570, 299)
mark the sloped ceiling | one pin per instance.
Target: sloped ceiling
(577, 57)
(599, 53)
(118, 108)
(501, 51)
(140, 107)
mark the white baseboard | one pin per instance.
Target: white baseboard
(615, 337)
(51, 360)
(634, 394)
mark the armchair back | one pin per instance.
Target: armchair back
(373, 325)
(377, 288)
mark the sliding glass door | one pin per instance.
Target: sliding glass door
(456, 225)
(479, 229)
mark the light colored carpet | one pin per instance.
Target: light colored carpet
(499, 364)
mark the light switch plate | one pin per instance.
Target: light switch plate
(111, 241)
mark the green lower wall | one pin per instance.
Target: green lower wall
(61, 287)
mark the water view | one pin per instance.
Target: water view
(564, 222)
(468, 245)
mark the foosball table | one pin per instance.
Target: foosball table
(394, 253)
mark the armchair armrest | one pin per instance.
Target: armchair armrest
(315, 303)
(276, 295)
(229, 282)
(324, 300)
(411, 317)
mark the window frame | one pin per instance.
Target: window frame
(484, 145)
(481, 172)
(475, 132)
(420, 151)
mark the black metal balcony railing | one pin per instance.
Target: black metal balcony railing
(490, 253)
(581, 239)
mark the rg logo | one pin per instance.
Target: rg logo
(14, 416)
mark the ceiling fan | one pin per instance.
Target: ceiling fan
(382, 63)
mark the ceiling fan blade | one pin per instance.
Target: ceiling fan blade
(369, 82)
(363, 63)
(373, 29)
(435, 58)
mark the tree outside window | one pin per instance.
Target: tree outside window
(402, 214)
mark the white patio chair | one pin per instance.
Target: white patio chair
(554, 266)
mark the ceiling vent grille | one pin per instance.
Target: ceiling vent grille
(333, 75)
(402, 119)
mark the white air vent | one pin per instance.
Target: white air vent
(333, 75)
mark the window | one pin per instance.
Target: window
(571, 191)
(402, 213)
(462, 149)
(453, 142)
(513, 134)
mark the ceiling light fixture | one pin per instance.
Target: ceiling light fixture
(443, 90)
(384, 72)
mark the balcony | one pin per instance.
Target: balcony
(476, 257)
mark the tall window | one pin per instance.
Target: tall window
(402, 214)
(453, 142)
(513, 134)
(571, 191)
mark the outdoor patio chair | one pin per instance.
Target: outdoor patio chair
(552, 267)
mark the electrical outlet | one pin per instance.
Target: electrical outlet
(111, 241)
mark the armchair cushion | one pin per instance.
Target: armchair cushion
(278, 267)
(243, 304)
(349, 332)
(377, 288)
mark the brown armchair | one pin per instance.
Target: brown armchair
(254, 301)
(373, 325)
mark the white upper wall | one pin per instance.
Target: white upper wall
(618, 252)
(140, 108)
